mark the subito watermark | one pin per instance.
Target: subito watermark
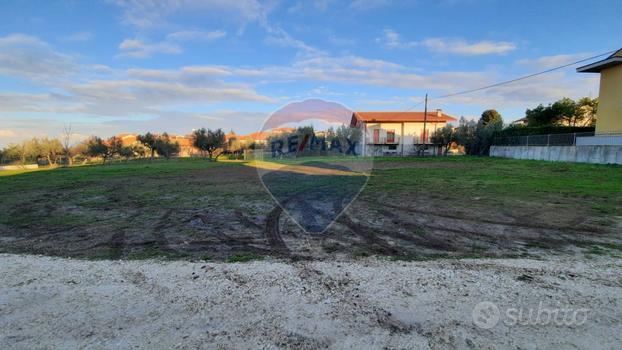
(487, 315)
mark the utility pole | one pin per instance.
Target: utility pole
(425, 120)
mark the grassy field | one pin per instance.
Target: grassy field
(411, 208)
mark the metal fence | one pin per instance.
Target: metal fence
(569, 139)
(542, 140)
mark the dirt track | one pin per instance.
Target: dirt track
(56, 303)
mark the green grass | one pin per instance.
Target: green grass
(134, 196)
(536, 244)
(597, 187)
(244, 257)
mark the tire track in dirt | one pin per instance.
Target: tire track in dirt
(272, 231)
(246, 221)
(496, 233)
(372, 235)
(161, 241)
(118, 241)
(564, 229)
(236, 244)
(381, 246)
(377, 244)
(117, 244)
(430, 241)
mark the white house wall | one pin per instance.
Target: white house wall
(411, 134)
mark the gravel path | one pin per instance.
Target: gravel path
(58, 303)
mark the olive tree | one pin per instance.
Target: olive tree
(444, 137)
(149, 140)
(210, 141)
(96, 147)
(165, 147)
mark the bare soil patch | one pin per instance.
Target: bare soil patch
(223, 211)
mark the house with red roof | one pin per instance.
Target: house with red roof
(261, 137)
(399, 133)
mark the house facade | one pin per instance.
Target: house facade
(609, 115)
(399, 133)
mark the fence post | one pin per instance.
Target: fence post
(574, 139)
(527, 140)
(548, 140)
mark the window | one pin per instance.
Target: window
(392, 147)
(390, 136)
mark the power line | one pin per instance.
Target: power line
(512, 80)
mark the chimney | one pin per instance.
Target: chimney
(439, 113)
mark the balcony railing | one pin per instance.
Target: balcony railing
(383, 141)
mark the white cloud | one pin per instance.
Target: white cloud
(340, 41)
(365, 103)
(278, 36)
(531, 92)
(18, 39)
(159, 94)
(25, 56)
(461, 47)
(156, 13)
(392, 40)
(147, 14)
(197, 35)
(77, 37)
(137, 48)
(554, 61)
(343, 69)
(7, 133)
(99, 90)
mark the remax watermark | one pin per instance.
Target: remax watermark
(312, 162)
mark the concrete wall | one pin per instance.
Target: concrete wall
(581, 154)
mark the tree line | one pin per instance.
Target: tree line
(31, 150)
(563, 115)
(475, 136)
(57, 151)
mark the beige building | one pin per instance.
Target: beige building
(609, 115)
(398, 133)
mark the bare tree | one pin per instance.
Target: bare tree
(66, 141)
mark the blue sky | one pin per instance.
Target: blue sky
(173, 65)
